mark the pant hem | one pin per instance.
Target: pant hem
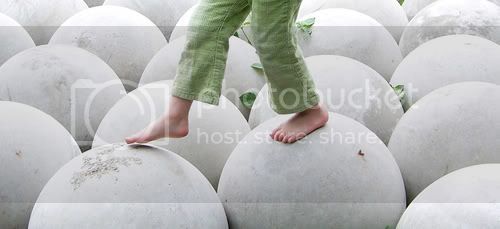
(184, 94)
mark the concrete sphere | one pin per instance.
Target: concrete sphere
(14, 38)
(41, 18)
(117, 186)
(310, 6)
(460, 58)
(164, 13)
(214, 131)
(465, 198)
(341, 176)
(448, 17)
(123, 38)
(33, 147)
(347, 87)
(451, 128)
(388, 12)
(58, 80)
(352, 34)
(239, 76)
(93, 3)
(412, 7)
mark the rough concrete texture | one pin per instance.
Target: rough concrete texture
(448, 17)
(93, 3)
(352, 34)
(341, 176)
(33, 147)
(41, 18)
(348, 87)
(14, 38)
(466, 198)
(412, 7)
(164, 13)
(128, 187)
(214, 131)
(451, 128)
(70, 84)
(123, 38)
(460, 58)
(239, 76)
(388, 12)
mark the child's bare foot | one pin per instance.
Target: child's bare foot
(300, 125)
(174, 124)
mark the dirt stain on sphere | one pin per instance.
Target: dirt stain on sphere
(104, 163)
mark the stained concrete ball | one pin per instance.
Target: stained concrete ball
(448, 17)
(352, 34)
(34, 147)
(164, 13)
(348, 87)
(460, 58)
(214, 131)
(451, 128)
(93, 3)
(467, 197)
(41, 18)
(14, 38)
(123, 38)
(239, 77)
(341, 176)
(412, 7)
(387, 12)
(68, 83)
(117, 186)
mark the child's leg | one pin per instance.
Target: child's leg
(290, 85)
(201, 69)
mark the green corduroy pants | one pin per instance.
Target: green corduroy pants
(201, 69)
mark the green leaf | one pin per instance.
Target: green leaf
(258, 66)
(401, 1)
(306, 25)
(247, 99)
(400, 92)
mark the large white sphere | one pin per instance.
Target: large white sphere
(352, 34)
(164, 13)
(341, 176)
(41, 18)
(118, 186)
(388, 12)
(214, 131)
(460, 58)
(447, 17)
(310, 6)
(14, 38)
(451, 128)
(412, 7)
(123, 38)
(239, 77)
(467, 198)
(92, 3)
(348, 87)
(33, 147)
(70, 84)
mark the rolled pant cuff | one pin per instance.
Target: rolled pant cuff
(311, 102)
(204, 98)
